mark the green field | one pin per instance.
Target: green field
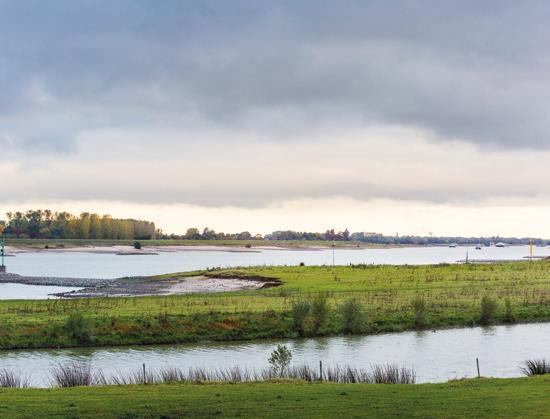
(481, 398)
(452, 295)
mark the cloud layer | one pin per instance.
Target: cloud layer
(250, 103)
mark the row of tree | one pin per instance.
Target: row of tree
(208, 234)
(45, 224)
(62, 225)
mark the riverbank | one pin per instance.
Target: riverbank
(389, 299)
(482, 398)
(115, 246)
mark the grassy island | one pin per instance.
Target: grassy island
(389, 298)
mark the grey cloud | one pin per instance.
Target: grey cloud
(468, 70)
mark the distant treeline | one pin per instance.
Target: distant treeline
(376, 238)
(208, 234)
(45, 224)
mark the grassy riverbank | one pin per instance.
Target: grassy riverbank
(482, 398)
(451, 296)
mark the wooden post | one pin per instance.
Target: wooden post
(144, 375)
(477, 364)
(320, 370)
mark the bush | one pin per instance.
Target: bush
(137, 245)
(488, 309)
(300, 312)
(353, 316)
(419, 307)
(78, 328)
(279, 359)
(509, 315)
(319, 311)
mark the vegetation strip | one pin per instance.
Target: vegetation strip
(310, 301)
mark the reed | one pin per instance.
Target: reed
(536, 367)
(77, 374)
(73, 374)
(13, 380)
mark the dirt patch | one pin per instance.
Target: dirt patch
(210, 284)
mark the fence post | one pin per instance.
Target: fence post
(477, 364)
(320, 370)
(144, 375)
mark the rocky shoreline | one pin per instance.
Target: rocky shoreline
(138, 286)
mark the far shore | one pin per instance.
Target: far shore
(15, 246)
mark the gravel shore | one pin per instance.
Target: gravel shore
(138, 286)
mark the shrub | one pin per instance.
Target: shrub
(300, 312)
(279, 359)
(137, 245)
(78, 328)
(353, 316)
(509, 315)
(488, 309)
(319, 311)
(419, 307)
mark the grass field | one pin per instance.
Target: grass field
(452, 295)
(481, 398)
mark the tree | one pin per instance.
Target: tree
(107, 227)
(279, 359)
(95, 227)
(192, 234)
(84, 226)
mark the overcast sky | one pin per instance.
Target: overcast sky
(410, 117)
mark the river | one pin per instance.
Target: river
(436, 356)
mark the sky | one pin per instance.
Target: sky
(409, 117)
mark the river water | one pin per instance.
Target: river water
(436, 356)
(104, 265)
(101, 265)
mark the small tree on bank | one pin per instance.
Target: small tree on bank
(280, 359)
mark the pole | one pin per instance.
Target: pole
(531, 248)
(3, 241)
(477, 364)
(320, 370)
(144, 376)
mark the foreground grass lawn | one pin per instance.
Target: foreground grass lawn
(452, 294)
(483, 398)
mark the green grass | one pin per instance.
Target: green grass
(482, 398)
(452, 294)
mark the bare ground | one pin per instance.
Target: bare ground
(142, 286)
